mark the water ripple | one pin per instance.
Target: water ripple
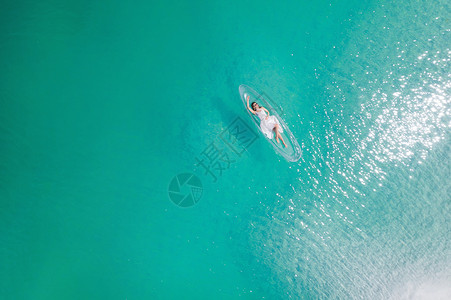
(354, 224)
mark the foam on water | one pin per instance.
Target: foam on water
(368, 216)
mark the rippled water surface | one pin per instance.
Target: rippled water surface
(101, 106)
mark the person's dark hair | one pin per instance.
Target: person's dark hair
(252, 105)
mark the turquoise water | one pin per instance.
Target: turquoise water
(103, 104)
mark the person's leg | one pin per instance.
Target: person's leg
(276, 130)
(278, 135)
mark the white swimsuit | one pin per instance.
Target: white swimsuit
(267, 125)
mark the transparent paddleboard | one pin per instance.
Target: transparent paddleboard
(293, 151)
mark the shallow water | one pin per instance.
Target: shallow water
(102, 105)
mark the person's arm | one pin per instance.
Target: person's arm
(266, 110)
(250, 109)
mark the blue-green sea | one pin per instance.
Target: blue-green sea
(106, 108)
